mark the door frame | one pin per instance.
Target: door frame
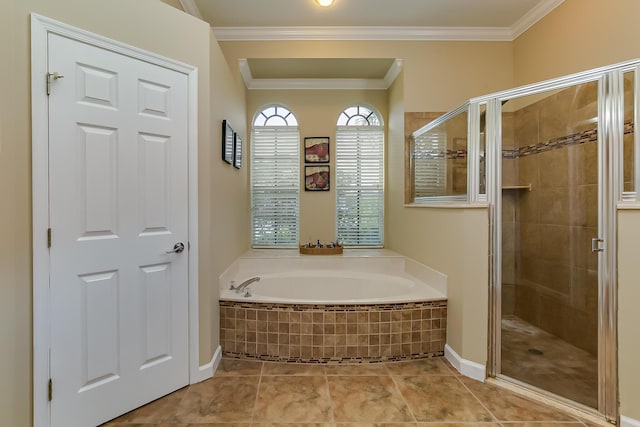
(41, 27)
(610, 115)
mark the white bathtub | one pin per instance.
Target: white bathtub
(356, 277)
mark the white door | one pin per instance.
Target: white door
(118, 205)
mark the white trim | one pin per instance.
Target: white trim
(304, 84)
(628, 205)
(448, 205)
(40, 215)
(393, 72)
(363, 33)
(208, 370)
(628, 422)
(245, 72)
(466, 367)
(191, 8)
(345, 84)
(533, 16)
(40, 28)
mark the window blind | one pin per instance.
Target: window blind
(360, 185)
(430, 165)
(275, 186)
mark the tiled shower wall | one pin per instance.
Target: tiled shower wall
(549, 272)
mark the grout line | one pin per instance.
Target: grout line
(478, 399)
(395, 383)
(255, 402)
(333, 408)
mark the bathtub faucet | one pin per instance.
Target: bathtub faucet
(244, 284)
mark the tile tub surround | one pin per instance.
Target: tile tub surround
(409, 393)
(332, 333)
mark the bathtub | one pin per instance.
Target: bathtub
(361, 306)
(332, 287)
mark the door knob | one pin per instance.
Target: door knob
(177, 248)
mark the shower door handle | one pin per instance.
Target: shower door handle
(595, 245)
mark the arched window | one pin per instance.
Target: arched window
(360, 177)
(275, 178)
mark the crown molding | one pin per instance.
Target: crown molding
(393, 73)
(362, 33)
(191, 8)
(306, 84)
(533, 16)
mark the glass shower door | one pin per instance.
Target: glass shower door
(549, 273)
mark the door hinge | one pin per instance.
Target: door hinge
(55, 76)
(50, 390)
(49, 238)
(595, 245)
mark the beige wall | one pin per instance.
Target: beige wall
(228, 198)
(317, 112)
(150, 25)
(580, 35)
(628, 316)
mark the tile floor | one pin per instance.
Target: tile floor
(424, 393)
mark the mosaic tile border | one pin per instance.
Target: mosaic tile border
(333, 334)
(583, 137)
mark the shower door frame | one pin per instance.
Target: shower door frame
(610, 151)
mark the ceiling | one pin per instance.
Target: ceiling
(501, 20)
(403, 13)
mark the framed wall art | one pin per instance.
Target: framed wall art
(316, 178)
(227, 142)
(237, 151)
(316, 149)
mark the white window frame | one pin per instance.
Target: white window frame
(275, 177)
(354, 122)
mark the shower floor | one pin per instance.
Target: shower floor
(536, 357)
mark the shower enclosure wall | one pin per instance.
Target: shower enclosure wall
(559, 156)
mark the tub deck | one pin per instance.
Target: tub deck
(332, 330)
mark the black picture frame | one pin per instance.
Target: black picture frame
(237, 151)
(317, 178)
(227, 142)
(316, 149)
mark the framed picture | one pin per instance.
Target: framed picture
(227, 142)
(237, 151)
(316, 149)
(316, 178)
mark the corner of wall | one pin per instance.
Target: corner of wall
(466, 367)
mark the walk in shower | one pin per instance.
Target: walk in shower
(555, 159)
(549, 296)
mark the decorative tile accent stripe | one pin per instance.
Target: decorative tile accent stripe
(590, 135)
(333, 333)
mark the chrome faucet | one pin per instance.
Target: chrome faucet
(244, 284)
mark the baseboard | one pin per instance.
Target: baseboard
(628, 422)
(466, 367)
(206, 371)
